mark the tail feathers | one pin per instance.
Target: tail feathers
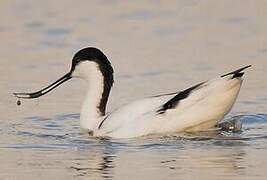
(237, 73)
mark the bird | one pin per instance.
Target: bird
(194, 109)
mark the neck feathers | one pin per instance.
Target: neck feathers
(100, 80)
(107, 72)
(93, 66)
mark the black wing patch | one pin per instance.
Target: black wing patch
(172, 103)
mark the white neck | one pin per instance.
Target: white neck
(91, 116)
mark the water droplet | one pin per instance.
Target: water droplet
(18, 102)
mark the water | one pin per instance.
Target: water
(155, 47)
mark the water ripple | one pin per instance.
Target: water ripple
(63, 132)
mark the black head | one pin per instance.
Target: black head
(90, 54)
(95, 55)
(86, 54)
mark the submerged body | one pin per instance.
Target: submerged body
(195, 109)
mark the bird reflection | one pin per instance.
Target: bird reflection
(97, 162)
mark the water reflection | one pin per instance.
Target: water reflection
(102, 168)
(161, 160)
(96, 162)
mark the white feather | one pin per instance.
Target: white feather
(200, 110)
(90, 116)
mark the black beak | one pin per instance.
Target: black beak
(45, 90)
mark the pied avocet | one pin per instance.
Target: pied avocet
(197, 108)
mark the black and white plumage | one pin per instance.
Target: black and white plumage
(197, 108)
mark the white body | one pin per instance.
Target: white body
(201, 110)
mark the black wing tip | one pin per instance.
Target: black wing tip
(243, 68)
(237, 73)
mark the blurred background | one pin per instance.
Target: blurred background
(155, 46)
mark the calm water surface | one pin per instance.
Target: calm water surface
(155, 47)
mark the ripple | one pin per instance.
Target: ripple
(40, 135)
(62, 132)
(254, 118)
(40, 147)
